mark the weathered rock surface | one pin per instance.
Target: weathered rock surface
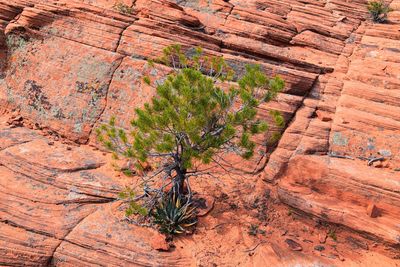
(45, 191)
(340, 191)
(359, 141)
(67, 66)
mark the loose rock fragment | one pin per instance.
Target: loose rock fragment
(319, 248)
(159, 243)
(372, 210)
(293, 245)
(322, 237)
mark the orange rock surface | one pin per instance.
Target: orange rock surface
(68, 66)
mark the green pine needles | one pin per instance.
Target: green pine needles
(190, 120)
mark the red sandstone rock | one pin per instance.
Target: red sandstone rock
(205, 204)
(323, 116)
(293, 245)
(70, 65)
(322, 236)
(167, 10)
(372, 210)
(337, 190)
(158, 243)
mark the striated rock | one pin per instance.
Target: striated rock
(128, 86)
(11, 137)
(68, 66)
(355, 118)
(336, 190)
(22, 247)
(312, 39)
(356, 243)
(166, 10)
(73, 110)
(103, 237)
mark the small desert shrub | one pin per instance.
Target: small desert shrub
(332, 234)
(378, 10)
(147, 80)
(134, 208)
(254, 230)
(123, 8)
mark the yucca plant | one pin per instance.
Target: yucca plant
(174, 215)
(378, 10)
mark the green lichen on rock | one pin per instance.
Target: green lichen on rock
(15, 42)
(339, 139)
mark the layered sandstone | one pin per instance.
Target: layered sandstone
(68, 66)
(354, 127)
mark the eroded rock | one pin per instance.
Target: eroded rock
(372, 210)
(68, 66)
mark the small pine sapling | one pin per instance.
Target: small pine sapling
(189, 121)
(378, 10)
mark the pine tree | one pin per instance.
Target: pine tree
(191, 119)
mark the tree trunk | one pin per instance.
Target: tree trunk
(179, 183)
